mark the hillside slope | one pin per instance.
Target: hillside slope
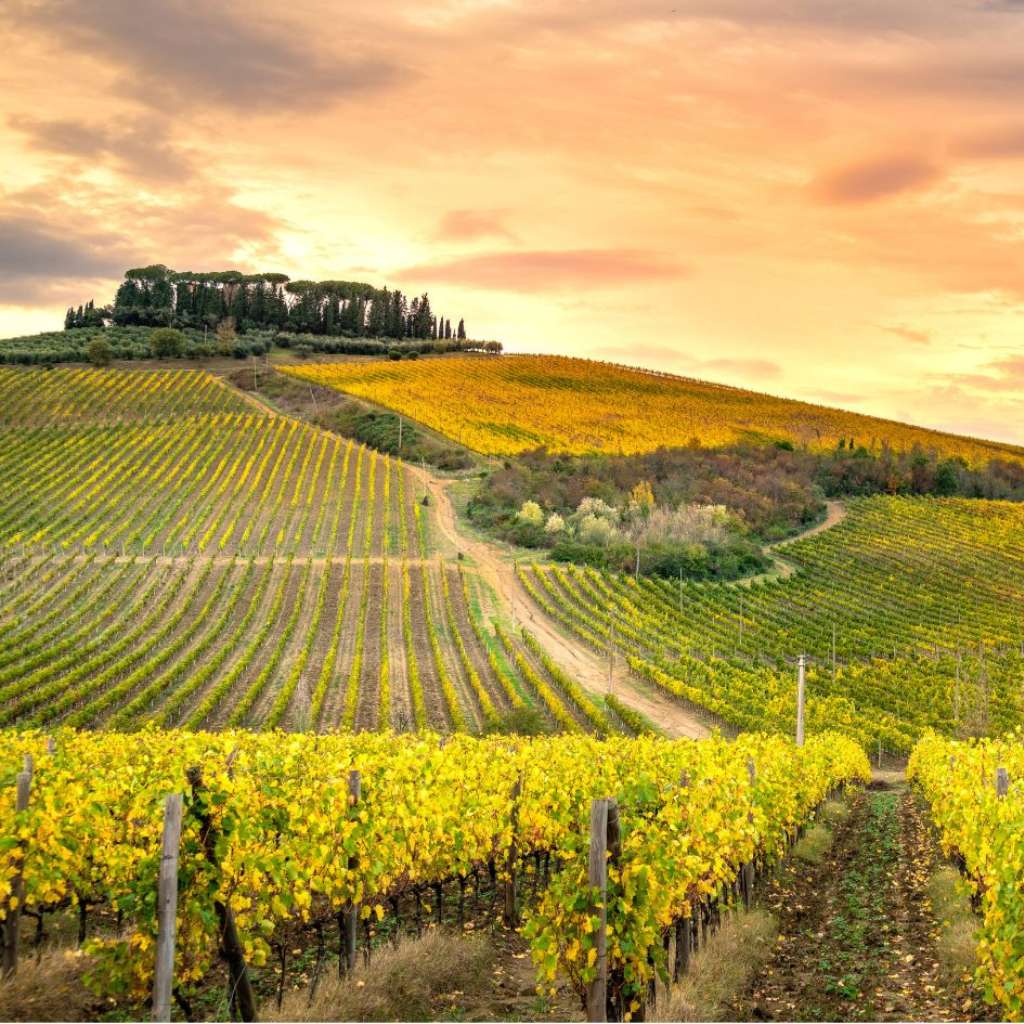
(501, 406)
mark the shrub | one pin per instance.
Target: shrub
(99, 352)
(166, 342)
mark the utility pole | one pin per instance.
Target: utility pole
(801, 667)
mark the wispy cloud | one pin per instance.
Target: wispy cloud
(878, 178)
(548, 270)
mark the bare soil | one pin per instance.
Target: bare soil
(857, 933)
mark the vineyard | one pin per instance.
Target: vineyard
(517, 403)
(170, 554)
(271, 835)
(976, 798)
(911, 612)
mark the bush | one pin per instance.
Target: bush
(99, 352)
(394, 354)
(166, 342)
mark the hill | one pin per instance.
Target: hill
(507, 405)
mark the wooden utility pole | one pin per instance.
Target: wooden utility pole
(13, 919)
(167, 909)
(801, 668)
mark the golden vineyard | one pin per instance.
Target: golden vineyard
(501, 406)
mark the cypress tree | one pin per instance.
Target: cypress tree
(462, 330)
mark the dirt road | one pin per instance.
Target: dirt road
(570, 653)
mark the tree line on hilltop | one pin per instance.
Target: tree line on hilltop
(157, 296)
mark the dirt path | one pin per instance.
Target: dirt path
(835, 513)
(857, 932)
(570, 654)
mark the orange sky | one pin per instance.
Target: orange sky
(818, 198)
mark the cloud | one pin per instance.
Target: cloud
(548, 270)
(1004, 375)
(467, 225)
(39, 260)
(908, 333)
(65, 239)
(878, 178)
(998, 144)
(209, 52)
(140, 149)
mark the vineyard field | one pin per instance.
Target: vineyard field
(172, 554)
(921, 598)
(502, 406)
(984, 832)
(291, 851)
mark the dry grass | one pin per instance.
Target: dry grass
(721, 972)
(833, 812)
(814, 845)
(958, 940)
(411, 981)
(48, 988)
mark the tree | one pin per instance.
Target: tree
(166, 342)
(99, 352)
(462, 330)
(226, 336)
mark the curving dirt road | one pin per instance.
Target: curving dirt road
(570, 653)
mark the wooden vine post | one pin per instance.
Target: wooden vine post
(510, 914)
(167, 909)
(800, 680)
(12, 921)
(747, 871)
(684, 925)
(242, 998)
(604, 846)
(1002, 782)
(351, 913)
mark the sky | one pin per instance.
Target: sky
(821, 199)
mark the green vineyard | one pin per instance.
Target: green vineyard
(172, 554)
(910, 612)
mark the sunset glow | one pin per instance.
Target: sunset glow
(814, 199)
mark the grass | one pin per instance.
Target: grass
(814, 845)
(723, 969)
(49, 987)
(833, 812)
(957, 940)
(411, 981)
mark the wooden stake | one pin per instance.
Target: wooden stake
(355, 790)
(510, 915)
(597, 879)
(13, 918)
(167, 909)
(605, 845)
(801, 668)
(1002, 782)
